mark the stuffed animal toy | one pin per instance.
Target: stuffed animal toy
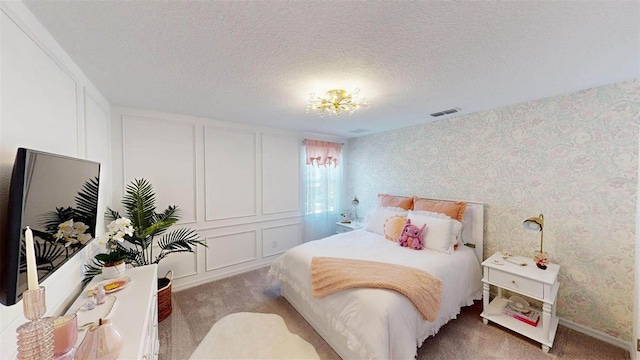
(412, 236)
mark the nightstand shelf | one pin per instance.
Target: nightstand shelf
(537, 333)
(525, 280)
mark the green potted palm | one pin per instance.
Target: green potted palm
(130, 238)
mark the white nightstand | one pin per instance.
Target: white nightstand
(346, 227)
(529, 281)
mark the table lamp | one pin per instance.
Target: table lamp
(536, 224)
(355, 202)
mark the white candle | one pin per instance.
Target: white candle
(32, 268)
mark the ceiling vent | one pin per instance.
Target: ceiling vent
(446, 112)
(359, 131)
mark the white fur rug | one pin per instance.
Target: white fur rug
(247, 335)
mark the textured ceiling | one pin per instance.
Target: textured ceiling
(256, 62)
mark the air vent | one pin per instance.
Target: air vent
(359, 131)
(446, 112)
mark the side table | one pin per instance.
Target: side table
(527, 280)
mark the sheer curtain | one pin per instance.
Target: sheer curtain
(322, 182)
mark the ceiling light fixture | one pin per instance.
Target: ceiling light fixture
(336, 102)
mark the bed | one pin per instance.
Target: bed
(371, 323)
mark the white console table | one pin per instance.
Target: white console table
(134, 313)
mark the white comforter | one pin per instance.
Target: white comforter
(378, 323)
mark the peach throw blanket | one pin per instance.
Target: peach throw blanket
(330, 275)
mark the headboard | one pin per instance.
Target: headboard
(472, 225)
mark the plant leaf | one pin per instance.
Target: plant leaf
(87, 204)
(158, 227)
(91, 269)
(140, 203)
(111, 214)
(180, 240)
(51, 219)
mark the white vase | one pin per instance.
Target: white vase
(114, 271)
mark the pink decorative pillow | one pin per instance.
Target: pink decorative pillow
(396, 201)
(453, 209)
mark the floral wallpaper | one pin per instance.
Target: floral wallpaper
(573, 158)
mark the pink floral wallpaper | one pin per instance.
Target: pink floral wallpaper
(573, 158)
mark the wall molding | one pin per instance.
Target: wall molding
(294, 140)
(246, 260)
(125, 119)
(254, 211)
(280, 249)
(25, 20)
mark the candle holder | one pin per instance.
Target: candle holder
(35, 338)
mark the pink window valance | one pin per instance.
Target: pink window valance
(322, 152)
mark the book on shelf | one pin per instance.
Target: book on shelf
(529, 316)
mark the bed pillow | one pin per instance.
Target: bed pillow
(438, 233)
(377, 217)
(396, 201)
(393, 227)
(456, 231)
(453, 209)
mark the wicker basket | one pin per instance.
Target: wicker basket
(164, 298)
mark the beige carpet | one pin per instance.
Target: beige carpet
(195, 310)
(246, 335)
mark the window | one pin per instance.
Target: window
(322, 185)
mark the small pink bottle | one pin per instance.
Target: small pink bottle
(100, 296)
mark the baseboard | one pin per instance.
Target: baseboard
(599, 335)
(183, 285)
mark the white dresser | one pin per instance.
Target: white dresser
(134, 312)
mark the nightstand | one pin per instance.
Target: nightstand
(346, 227)
(527, 280)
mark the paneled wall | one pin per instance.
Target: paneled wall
(238, 186)
(47, 104)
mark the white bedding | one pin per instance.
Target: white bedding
(378, 323)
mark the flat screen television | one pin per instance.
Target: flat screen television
(57, 197)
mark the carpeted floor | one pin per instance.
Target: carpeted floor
(196, 309)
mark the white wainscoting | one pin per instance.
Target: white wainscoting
(242, 182)
(97, 145)
(230, 173)
(44, 107)
(38, 98)
(162, 152)
(280, 173)
(278, 239)
(183, 265)
(231, 249)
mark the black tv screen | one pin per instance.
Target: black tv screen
(57, 197)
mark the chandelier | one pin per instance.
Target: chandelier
(336, 102)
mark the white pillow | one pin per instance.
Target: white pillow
(438, 234)
(377, 217)
(457, 225)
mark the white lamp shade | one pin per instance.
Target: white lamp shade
(534, 224)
